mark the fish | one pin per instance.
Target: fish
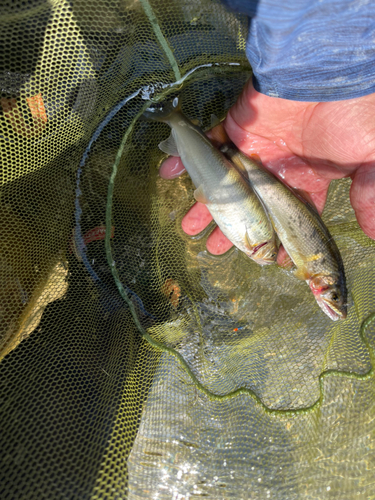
(302, 232)
(228, 195)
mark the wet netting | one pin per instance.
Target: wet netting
(134, 364)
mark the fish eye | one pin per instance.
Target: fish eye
(334, 296)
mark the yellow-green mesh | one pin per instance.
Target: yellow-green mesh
(234, 384)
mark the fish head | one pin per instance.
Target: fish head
(330, 296)
(265, 253)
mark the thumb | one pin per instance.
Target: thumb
(362, 198)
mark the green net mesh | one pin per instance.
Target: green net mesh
(134, 364)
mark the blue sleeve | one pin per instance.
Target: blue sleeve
(311, 50)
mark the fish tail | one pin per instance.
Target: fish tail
(163, 113)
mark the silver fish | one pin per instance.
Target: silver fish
(303, 234)
(226, 192)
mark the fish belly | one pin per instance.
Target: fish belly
(232, 223)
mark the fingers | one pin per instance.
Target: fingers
(196, 219)
(171, 168)
(217, 243)
(362, 198)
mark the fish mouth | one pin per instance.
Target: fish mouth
(264, 253)
(330, 310)
(333, 311)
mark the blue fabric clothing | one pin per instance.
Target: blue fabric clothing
(311, 50)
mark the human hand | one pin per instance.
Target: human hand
(305, 144)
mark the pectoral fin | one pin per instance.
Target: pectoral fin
(250, 244)
(169, 146)
(302, 273)
(200, 196)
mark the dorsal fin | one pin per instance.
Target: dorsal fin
(302, 273)
(214, 121)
